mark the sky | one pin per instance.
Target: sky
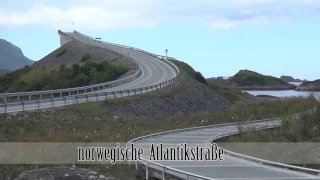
(217, 38)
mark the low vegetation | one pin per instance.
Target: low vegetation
(57, 76)
(93, 122)
(61, 52)
(85, 57)
(190, 71)
(231, 94)
(303, 129)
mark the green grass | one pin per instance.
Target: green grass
(251, 78)
(231, 94)
(94, 122)
(39, 73)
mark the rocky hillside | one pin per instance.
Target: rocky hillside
(186, 97)
(309, 86)
(246, 79)
(74, 51)
(11, 56)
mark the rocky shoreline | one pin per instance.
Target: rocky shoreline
(263, 88)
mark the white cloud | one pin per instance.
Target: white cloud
(105, 14)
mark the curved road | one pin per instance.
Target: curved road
(231, 168)
(154, 71)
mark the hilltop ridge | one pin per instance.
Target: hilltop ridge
(12, 57)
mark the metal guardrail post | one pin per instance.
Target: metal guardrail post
(106, 94)
(52, 101)
(114, 94)
(135, 91)
(97, 96)
(136, 165)
(76, 99)
(5, 107)
(38, 101)
(163, 173)
(29, 97)
(65, 100)
(22, 105)
(147, 171)
(121, 93)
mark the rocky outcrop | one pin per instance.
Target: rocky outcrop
(309, 86)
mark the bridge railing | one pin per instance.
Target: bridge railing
(120, 45)
(77, 99)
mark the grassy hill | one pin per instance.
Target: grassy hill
(309, 86)
(57, 76)
(250, 79)
(11, 56)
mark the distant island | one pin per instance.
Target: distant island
(291, 79)
(250, 80)
(11, 57)
(309, 86)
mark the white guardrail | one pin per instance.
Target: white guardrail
(165, 169)
(82, 98)
(90, 88)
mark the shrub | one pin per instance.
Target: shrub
(85, 57)
(61, 52)
(62, 67)
(75, 69)
(198, 76)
